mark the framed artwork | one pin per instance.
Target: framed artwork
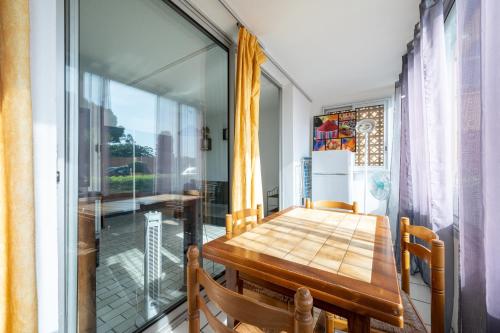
(326, 127)
(347, 128)
(319, 145)
(330, 131)
(349, 144)
(333, 144)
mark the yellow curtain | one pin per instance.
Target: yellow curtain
(246, 189)
(18, 301)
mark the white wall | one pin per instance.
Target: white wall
(302, 120)
(47, 91)
(217, 157)
(295, 142)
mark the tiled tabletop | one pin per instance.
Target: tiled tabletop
(336, 242)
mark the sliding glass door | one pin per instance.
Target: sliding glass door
(152, 158)
(269, 142)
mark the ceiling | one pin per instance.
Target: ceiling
(148, 45)
(338, 51)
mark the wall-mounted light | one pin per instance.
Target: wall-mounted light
(206, 140)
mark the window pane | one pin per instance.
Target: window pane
(376, 139)
(153, 161)
(269, 142)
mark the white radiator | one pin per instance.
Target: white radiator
(152, 262)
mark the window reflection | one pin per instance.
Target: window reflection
(153, 165)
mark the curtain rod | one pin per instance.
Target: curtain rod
(240, 23)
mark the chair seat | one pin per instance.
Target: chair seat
(247, 328)
(413, 321)
(276, 299)
(267, 296)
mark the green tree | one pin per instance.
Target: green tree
(126, 149)
(114, 133)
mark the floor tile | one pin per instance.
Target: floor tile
(182, 328)
(424, 310)
(420, 292)
(222, 317)
(207, 329)
(417, 279)
(120, 277)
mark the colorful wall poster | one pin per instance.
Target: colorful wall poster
(331, 129)
(349, 144)
(326, 127)
(319, 145)
(347, 128)
(333, 144)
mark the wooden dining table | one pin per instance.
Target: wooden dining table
(346, 260)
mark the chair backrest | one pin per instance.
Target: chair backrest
(243, 220)
(434, 257)
(332, 205)
(242, 308)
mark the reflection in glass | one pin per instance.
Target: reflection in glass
(153, 163)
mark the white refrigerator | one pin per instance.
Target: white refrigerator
(332, 175)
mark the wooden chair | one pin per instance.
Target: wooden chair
(434, 257)
(333, 205)
(243, 220)
(253, 315)
(236, 224)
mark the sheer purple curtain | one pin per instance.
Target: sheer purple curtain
(405, 190)
(479, 158)
(393, 202)
(426, 146)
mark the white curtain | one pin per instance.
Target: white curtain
(479, 152)
(167, 166)
(393, 201)
(426, 143)
(192, 162)
(96, 102)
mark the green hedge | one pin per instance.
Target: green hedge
(125, 184)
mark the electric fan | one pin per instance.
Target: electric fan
(365, 126)
(380, 185)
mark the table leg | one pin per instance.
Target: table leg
(358, 323)
(231, 284)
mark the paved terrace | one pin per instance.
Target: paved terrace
(120, 278)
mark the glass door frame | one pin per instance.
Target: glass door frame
(69, 149)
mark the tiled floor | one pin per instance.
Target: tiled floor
(420, 295)
(120, 274)
(204, 327)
